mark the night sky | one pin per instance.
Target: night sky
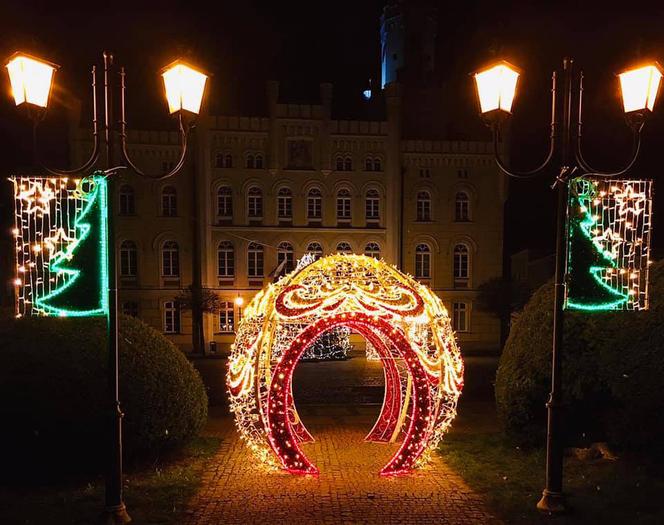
(300, 43)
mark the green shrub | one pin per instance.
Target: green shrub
(612, 369)
(53, 393)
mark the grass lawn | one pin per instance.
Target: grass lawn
(624, 491)
(154, 494)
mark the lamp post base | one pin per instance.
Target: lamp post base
(116, 515)
(552, 503)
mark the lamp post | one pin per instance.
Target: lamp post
(31, 79)
(496, 89)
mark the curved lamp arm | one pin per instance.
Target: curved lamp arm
(94, 156)
(636, 125)
(552, 143)
(184, 133)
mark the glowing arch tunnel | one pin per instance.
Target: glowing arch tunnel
(403, 320)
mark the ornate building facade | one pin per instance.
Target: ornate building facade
(259, 192)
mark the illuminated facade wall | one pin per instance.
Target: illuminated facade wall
(339, 181)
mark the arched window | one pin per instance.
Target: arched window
(255, 203)
(423, 206)
(377, 165)
(225, 259)
(314, 205)
(368, 164)
(128, 259)
(169, 202)
(372, 206)
(423, 261)
(461, 266)
(339, 163)
(286, 253)
(254, 260)
(348, 164)
(249, 162)
(343, 206)
(171, 317)
(285, 204)
(372, 250)
(127, 202)
(225, 203)
(223, 160)
(259, 161)
(462, 207)
(170, 259)
(344, 247)
(315, 249)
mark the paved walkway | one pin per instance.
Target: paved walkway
(348, 490)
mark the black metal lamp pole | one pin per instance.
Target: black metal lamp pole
(115, 511)
(565, 147)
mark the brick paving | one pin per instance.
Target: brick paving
(348, 490)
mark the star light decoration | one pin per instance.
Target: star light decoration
(402, 319)
(45, 212)
(613, 218)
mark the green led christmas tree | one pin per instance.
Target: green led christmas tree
(82, 266)
(588, 261)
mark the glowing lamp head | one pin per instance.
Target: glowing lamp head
(184, 87)
(496, 87)
(30, 78)
(639, 87)
(239, 301)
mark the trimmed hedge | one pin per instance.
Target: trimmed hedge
(53, 393)
(613, 364)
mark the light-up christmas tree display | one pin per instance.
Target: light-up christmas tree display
(61, 246)
(608, 244)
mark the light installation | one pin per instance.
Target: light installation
(609, 225)
(61, 246)
(402, 319)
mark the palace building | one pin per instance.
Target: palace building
(258, 192)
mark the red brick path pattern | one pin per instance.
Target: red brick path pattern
(236, 490)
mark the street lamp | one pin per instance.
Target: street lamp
(496, 89)
(31, 79)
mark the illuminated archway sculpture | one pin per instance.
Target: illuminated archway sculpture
(403, 320)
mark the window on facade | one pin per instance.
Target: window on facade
(227, 317)
(285, 204)
(372, 250)
(315, 249)
(372, 164)
(348, 164)
(224, 203)
(286, 253)
(255, 203)
(258, 161)
(127, 202)
(461, 266)
(249, 162)
(425, 173)
(223, 160)
(170, 259)
(460, 317)
(169, 202)
(225, 259)
(372, 205)
(344, 247)
(423, 206)
(171, 317)
(343, 205)
(462, 174)
(130, 308)
(339, 163)
(314, 204)
(128, 259)
(423, 261)
(462, 207)
(254, 260)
